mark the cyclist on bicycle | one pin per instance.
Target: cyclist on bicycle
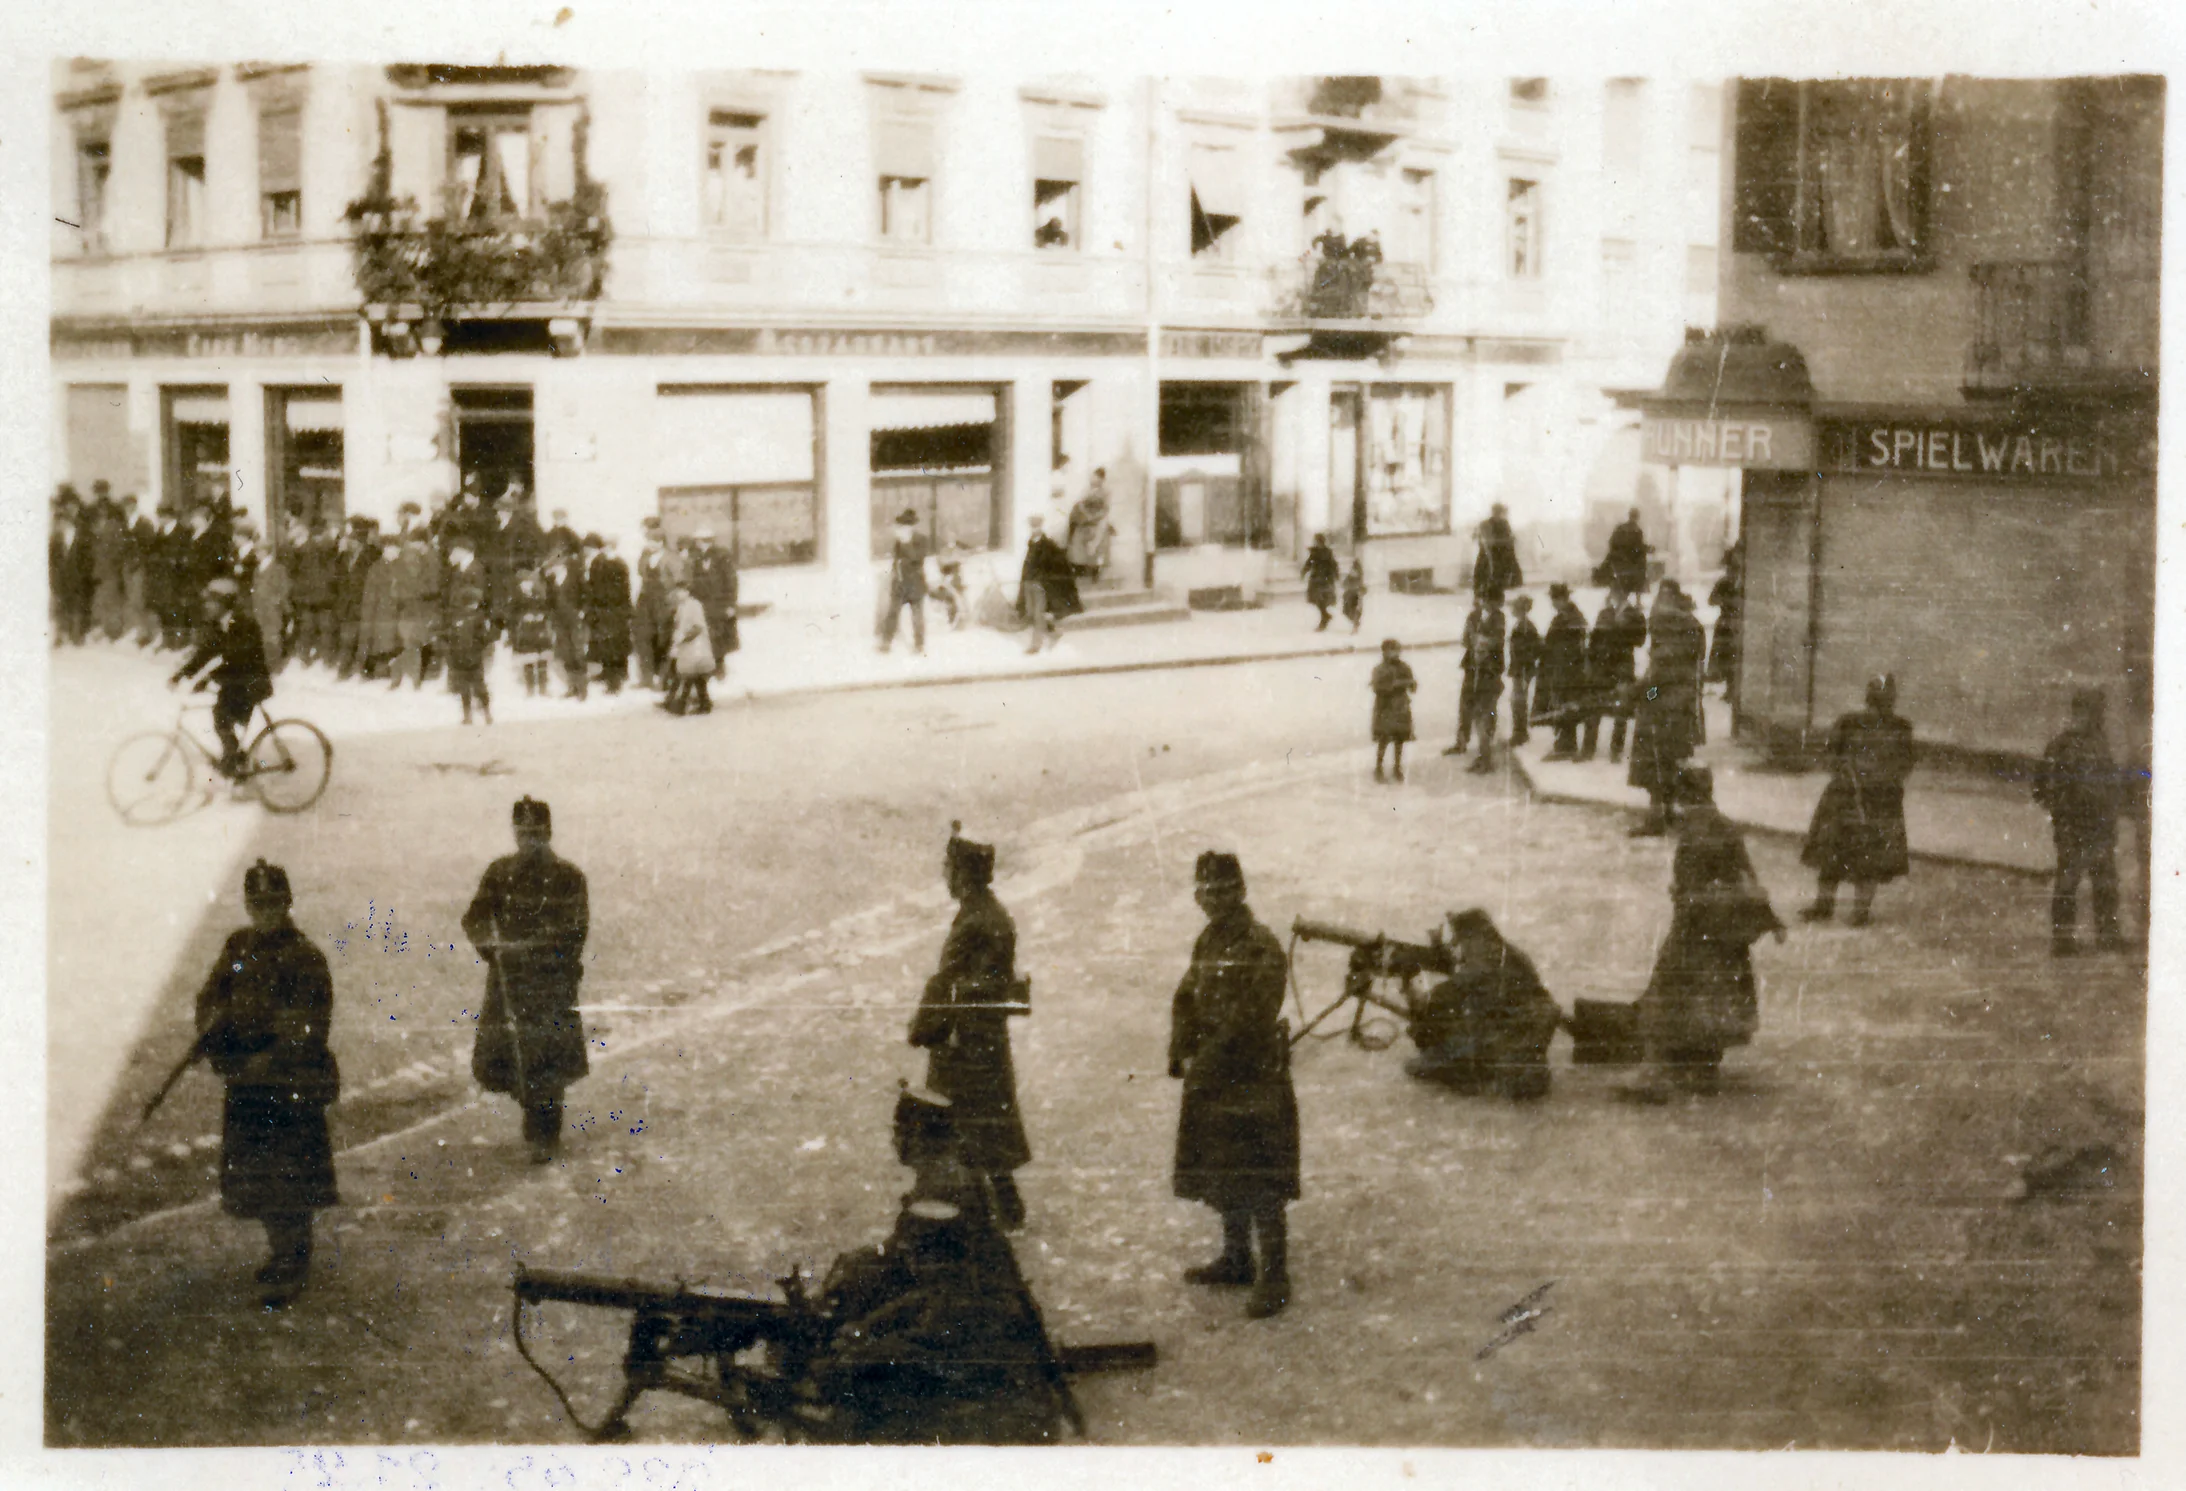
(232, 646)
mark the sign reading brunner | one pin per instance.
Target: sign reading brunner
(1758, 442)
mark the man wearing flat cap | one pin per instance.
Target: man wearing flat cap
(231, 654)
(262, 1020)
(963, 1025)
(906, 582)
(529, 921)
(1237, 1131)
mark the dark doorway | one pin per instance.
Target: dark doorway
(493, 439)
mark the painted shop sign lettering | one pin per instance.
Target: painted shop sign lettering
(1759, 443)
(823, 342)
(310, 339)
(1994, 452)
(1234, 344)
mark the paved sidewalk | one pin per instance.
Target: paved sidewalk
(1952, 815)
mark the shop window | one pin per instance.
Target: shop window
(304, 437)
(1832, 174)
(1522, 220)
(185, 180)
(1209, 483)
(1058, 189)
(734, 189)
(904, 150)
(942, 453)
(745, 463)
(1389, 452)
(1217, 200)
(489, 164)
(195, 446)
(94, 166)
(280, 173)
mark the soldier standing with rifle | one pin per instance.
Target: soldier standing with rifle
(529, 919)
(963, 1025)
(1237, 1131)
(262, 1022)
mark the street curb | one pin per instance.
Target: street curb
(1929, 856)
(951, 680)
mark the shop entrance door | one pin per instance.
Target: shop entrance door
(493, 439)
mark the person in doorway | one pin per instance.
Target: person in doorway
(1237, 1130)
(907, 552)
(1354, 594)
(529, 921)
(1729, 599)
(1321, 575)
(1525, 662)
(262, 1019)
(962, 1024)
(1090, 531)
(1495, 565)
(1858, 830)
(1393, 686)
(1624, 568)
(2078, 785)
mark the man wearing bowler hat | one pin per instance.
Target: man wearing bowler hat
(906, 582)
(529, 921)
(262, 1021)
(1237, 1131)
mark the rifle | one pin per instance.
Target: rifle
(774, 1387)
(199, 1049)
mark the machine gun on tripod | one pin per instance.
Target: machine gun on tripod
(1376, 961)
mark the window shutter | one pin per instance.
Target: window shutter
(280, 150)
(1218, 182)
(417, 136)
(904, 147)
(554, 150)
(185, 134)
(1765, 191)
(1058, 159)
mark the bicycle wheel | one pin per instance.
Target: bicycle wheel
(291, 762)
(153, 779)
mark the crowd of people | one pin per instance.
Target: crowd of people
(434, 594)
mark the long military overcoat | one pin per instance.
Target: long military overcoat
(963, 1024)
(267, 1006)
(1237, 1131)
(1666, 715)
(1858, 829)
(530, 918)
(1702, 998)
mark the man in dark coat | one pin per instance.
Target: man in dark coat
(1702, 999)
(1858, 831)
(1524, 665)
(510, 545)
(2078, 785)
(109, 534)
(1729, 599)
(563, 582)
(466, 629)
(1563, 686)
(607, 610)
(69, 571)
(906, 582)
(1237, 1131)
(1625, 567)
(1495, 565)
(660, 570)
(1047, 587)
(1619, 631)
(355, 555)
(1482, 683)
(1321, 574)
(1667, 712)
(313, 561)
(1486, 1027)
(262, 1021)
(529, 919)
(232, 649)
(711, 576)
(560, 538)
(137, 572)
(963, 1025)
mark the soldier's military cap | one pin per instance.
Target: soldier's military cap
(1470, 923)
(1217, 868)
(974, 860)
(264, 882)
(1882, 690)
(529, 812)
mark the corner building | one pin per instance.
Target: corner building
(787, 306)
(1949, 289)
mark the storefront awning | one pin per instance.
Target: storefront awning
(311, 415)
(930, 411)
(199, 409)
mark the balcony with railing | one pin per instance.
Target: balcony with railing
(2053, 326)
(1349, 286)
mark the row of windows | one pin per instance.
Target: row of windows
(493, 160)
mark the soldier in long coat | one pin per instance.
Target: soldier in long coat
(529, 920)
(1702, 999)
(1237, 1130)
(1560, 696)
(962, 1023)
(1858, 830)
(262, 1020)
(1485, 1028)
(2079, 785)
(1665, 725)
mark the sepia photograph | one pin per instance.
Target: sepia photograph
(758, 746)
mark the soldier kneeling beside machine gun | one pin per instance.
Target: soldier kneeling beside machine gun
(1483, 1029)
(931, 1337)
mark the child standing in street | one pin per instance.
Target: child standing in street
(531, 634)
(1354, 594)
(1393, 685)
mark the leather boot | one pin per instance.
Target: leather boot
(1271, 1289)
(1234, 1267)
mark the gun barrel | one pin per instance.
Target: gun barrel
(1313, 931)
(534, 1286)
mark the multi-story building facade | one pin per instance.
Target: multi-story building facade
(789, 305)
(1943, 402)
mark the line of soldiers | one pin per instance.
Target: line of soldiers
(430, 593)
